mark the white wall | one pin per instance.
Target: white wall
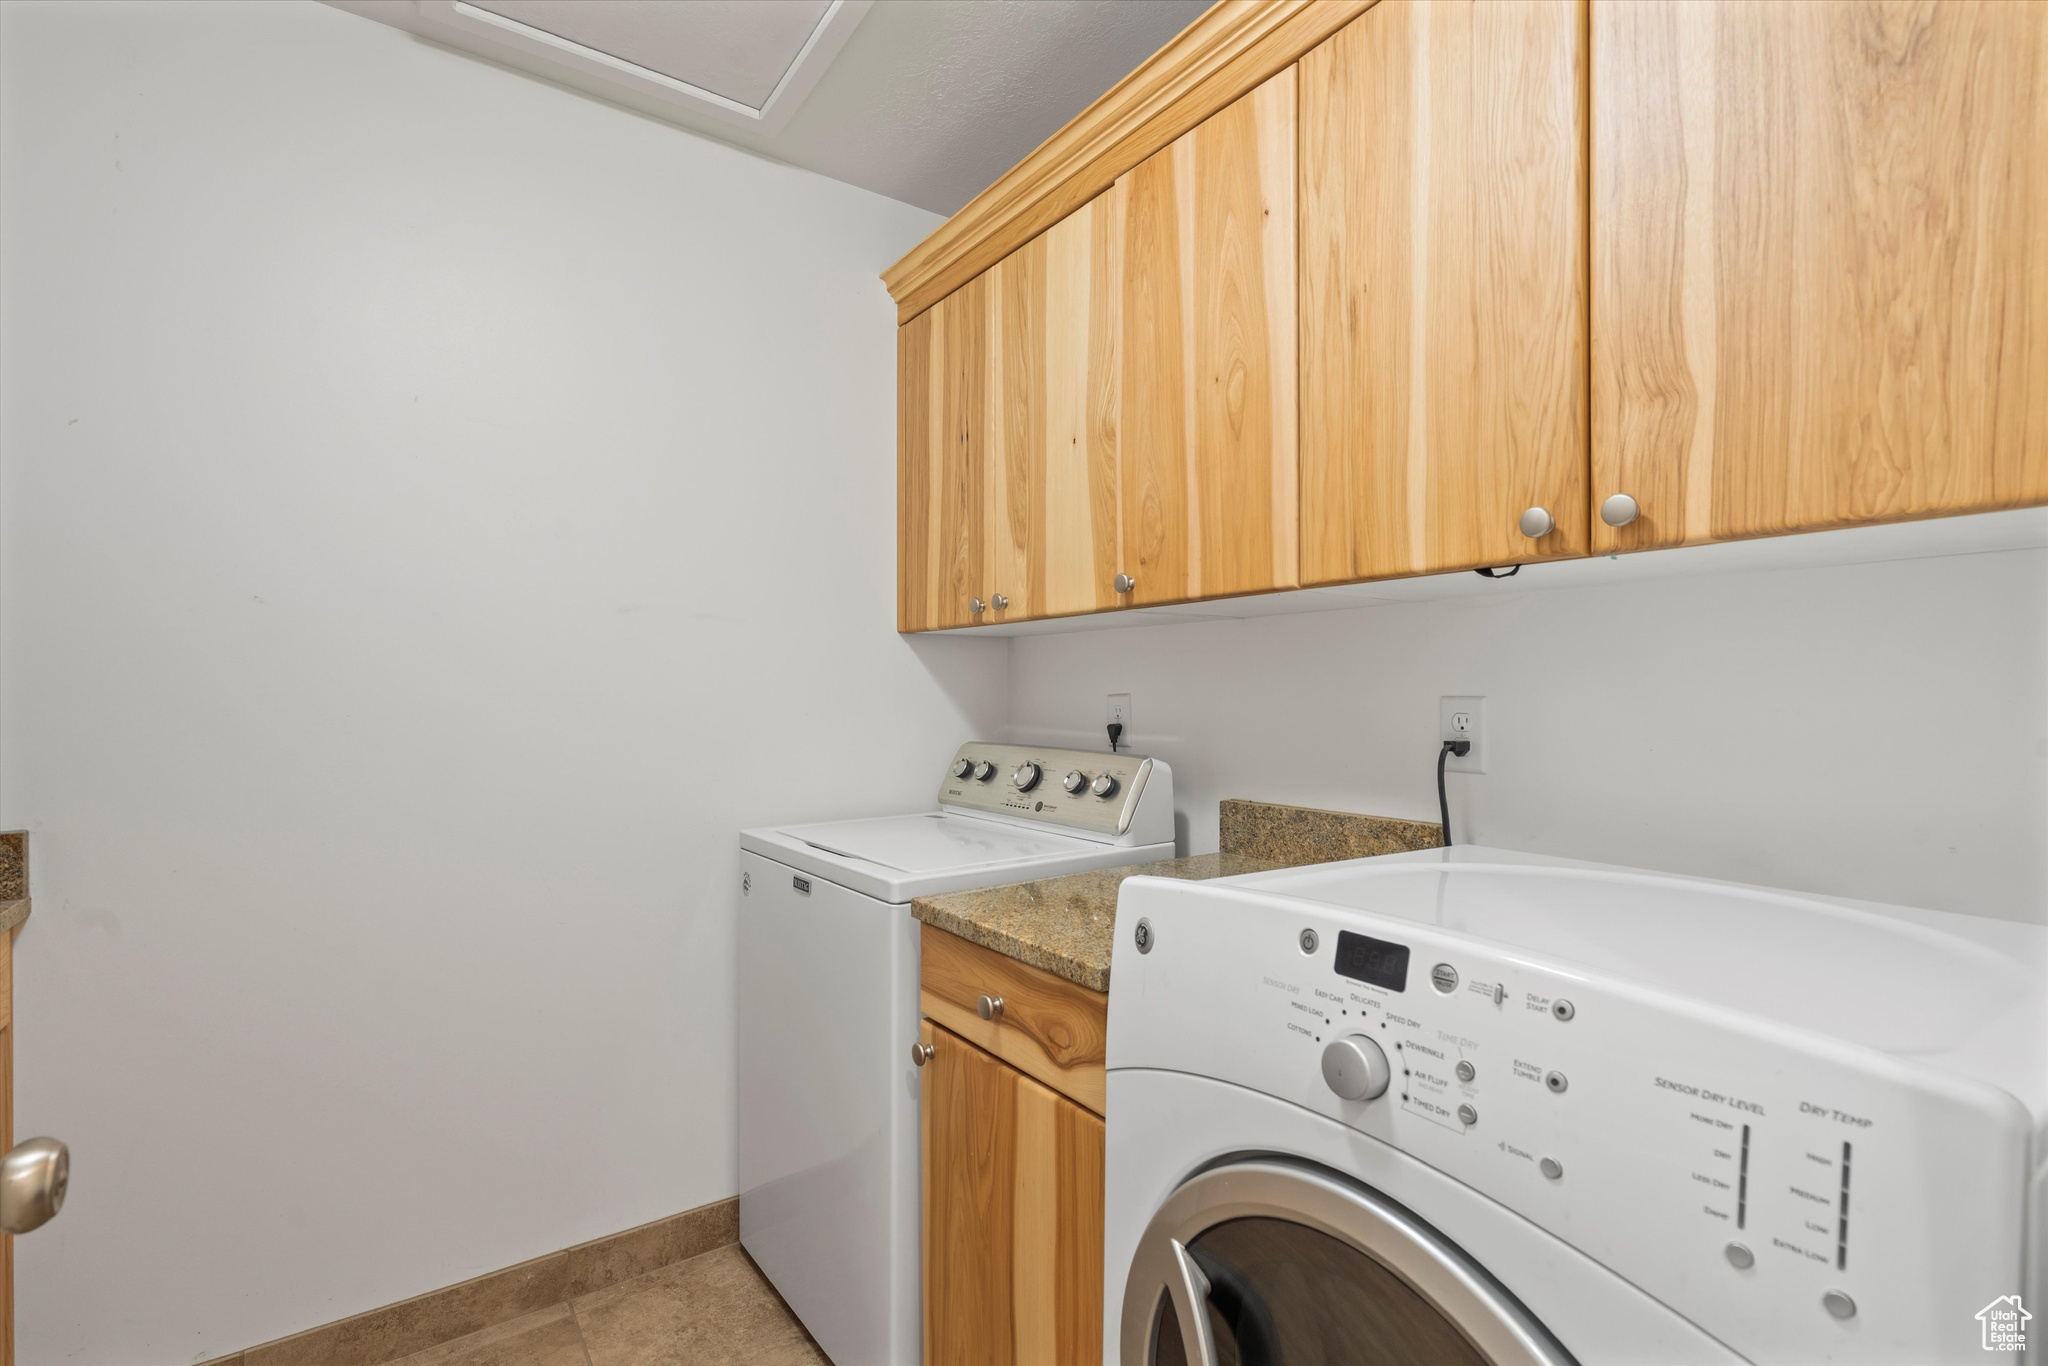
(1875, 731)
(439, 511)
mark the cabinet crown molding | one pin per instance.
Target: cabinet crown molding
(1223, 55)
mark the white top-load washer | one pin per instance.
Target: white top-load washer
(828, 960)
(1471, 1105)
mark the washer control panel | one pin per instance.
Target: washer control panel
(1076, 788)
(1800, 1199)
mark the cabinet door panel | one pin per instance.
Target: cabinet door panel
(942, 422)
(1208, 356)
(1820, 235)
(1443, 288)
(1053, 486)
(1013, 1179)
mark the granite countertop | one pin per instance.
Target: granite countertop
(1067, 925)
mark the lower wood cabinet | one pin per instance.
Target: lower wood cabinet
(1012, 1214)
(1012, 1159)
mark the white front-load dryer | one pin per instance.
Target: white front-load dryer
(1477, 1106)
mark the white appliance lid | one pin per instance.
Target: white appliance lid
(1822, 964)
(933, 842)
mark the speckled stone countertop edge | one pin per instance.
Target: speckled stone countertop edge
(12, 913)
(1067, 925)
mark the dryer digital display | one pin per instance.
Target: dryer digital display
(1374, 961)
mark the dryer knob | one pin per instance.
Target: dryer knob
(1356, 1068)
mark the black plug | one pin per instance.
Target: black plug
(1116, 733)
(1461, 748)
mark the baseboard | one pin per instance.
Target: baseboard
(399, 1330)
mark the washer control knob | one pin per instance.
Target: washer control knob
(1026, 777)
(1103, 786)
(983, 771)
(962, 767)
(1466, 1071)
(1739, 1256)
(1838, 1304)
(1075, 781)
(1356, 1067)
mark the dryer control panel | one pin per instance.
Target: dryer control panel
(1800, 1198)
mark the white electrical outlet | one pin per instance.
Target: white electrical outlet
(1464, 718)
(1120, 709)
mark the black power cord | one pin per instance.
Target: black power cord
(1461, 748)
(1116, 733)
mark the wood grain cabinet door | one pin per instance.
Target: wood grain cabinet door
(1443, 288)
(1209, 399)
(1820, 246)
(1052, 487)
(942, 440)
(1012, 1215)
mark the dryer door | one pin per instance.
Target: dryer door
(1274, 1263)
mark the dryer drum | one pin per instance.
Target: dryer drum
(1291, 1263)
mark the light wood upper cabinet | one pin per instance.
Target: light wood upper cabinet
(1053, 487)
(1443, 267)
(1012, 1187)
(942, 461)
(1208, 356)
(1820, 246)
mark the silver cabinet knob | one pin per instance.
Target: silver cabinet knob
(921, 1053)
(1537, 523)
(1103, 786)
(962, 767)
(983, 771)
(1026, 777)
(1074, 781)
(33, 1178)
(1619, 510)
(998, 601)
(1125, 583)
(988, 1007)
(1356, 1068)
(976, 606)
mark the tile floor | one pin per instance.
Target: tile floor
(713, 1310)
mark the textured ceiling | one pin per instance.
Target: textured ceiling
(930, 100)
(735, 48)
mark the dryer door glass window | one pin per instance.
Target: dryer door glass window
(1282, 1293)
(1277, 1263)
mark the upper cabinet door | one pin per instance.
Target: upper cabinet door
(942, 429)
(1820, 235)
(1443, 280)
(1052, 484)
(1209, 506)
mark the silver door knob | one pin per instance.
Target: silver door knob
(998, 601)
(1356, 1067)
(1619, 510)
(921, 1053)
(1537, 523)
(988, 1007)
(976, 606)
(1074, 782)
(1103, 786)
(33, 1178)
(1125, 583)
